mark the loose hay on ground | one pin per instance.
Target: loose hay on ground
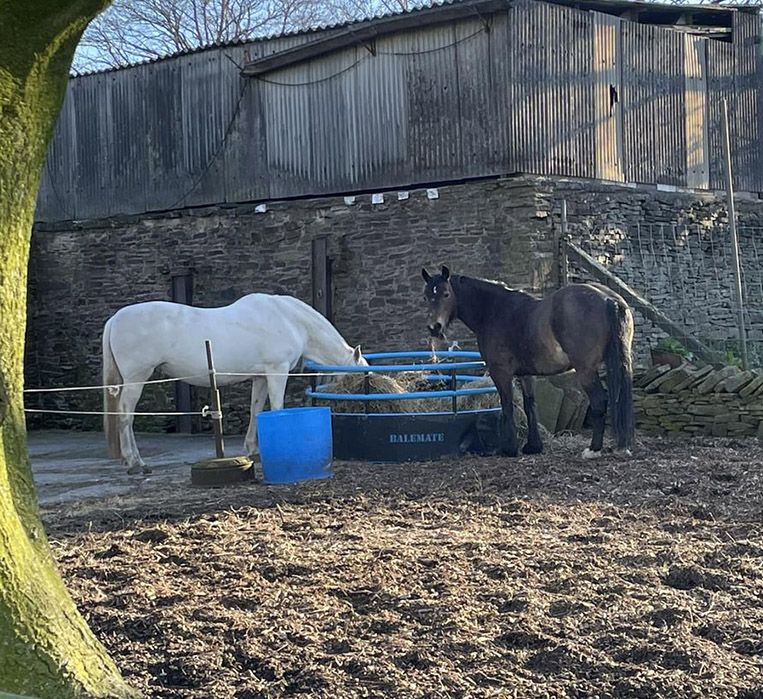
(543, 576)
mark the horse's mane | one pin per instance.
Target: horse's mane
(322, 323)
(489, 285)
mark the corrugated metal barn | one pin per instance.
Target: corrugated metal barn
(621, 91)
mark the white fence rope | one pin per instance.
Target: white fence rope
(116, 386)
(203, 413)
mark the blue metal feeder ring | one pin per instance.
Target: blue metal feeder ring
(414, 436)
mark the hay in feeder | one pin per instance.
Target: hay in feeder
(377, 383)
(482, 401)
(418, 381)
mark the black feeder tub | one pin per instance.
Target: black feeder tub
(415, 436)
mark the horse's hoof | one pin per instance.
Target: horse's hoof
(590, 454)
(147, 469)
(134, 470)
(532, 448)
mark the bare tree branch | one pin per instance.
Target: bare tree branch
(138, 30)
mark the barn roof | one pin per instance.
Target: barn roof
(709, 19)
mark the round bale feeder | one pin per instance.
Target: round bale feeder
(438, 423)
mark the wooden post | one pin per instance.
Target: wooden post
(453, 386)
(321, 277)
(563, 271)
(182, 292)
(217, 416)
(734, 238)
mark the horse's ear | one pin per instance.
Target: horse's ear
(425, 274)
(357, 354)
(445, 272)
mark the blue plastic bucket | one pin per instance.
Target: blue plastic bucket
(295, 444)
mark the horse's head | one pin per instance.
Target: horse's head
(357, 358)
(440, 300)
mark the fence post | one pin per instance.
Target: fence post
(562, 249)
(734, 239)
(217, 416)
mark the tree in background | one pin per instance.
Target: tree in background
(46, 648)
(131, 31)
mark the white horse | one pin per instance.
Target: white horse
(260, 337)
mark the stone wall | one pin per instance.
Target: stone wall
(674, 248)
(686, 400)
(81, 273)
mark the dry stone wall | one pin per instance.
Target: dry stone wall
(688, 400)
(674, 248)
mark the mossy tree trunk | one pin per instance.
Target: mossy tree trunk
(46, 648)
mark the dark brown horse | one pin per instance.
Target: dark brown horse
(577, 327)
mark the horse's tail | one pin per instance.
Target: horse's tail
(111, 376)
(617, 357)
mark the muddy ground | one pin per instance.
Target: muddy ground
(543, 576)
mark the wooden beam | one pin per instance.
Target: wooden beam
(635, 300)
(362, 32)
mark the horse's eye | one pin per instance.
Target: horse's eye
(446, 295)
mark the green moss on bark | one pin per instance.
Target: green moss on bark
(45, 644)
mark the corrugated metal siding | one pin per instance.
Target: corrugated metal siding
(697, 136)
(547, 90)
(480, 92)
(653, 105)
(746, 148)
(162, 94)
(127, 144)
(552, 106)
(607, 86)
(245, 156)
(721, 84)
(92, 116)
(204, 121)
(434, 127)
(379, 118)
(56, 188)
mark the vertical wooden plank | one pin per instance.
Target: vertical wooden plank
(607, 93)
(697, 138)
(182, 292)
(321, 290)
